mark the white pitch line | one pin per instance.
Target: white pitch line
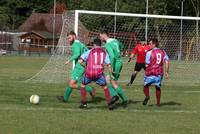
(186, 92)
(191, 91)
(100, 110)
(172, 91)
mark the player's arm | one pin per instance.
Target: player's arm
(166, 69)
(107, 62)
(131, 57)
(110, 53)
(76, 53)
(166, 58)
(147, 59)
(110, 69)
(134, 52)
(83, 58)
(81, 61)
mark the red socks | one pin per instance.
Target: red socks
(107, 95)
(83, 95)
(146, 91)
(158, 95)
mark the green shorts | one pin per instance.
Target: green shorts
(78, 72)
(117, 68)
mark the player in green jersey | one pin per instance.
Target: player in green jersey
(113, 47)
(74, 82)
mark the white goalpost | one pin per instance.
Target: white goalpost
(77, 12)
(179, 40)
(130, 28)
(114, 14)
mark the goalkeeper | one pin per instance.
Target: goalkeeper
(113, 47)
(74, 81)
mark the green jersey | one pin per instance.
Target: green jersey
(78, 49)
(113, 47)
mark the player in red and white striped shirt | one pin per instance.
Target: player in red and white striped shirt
(96, 58)
(155, 60)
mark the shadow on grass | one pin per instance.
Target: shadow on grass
(125, 105)
(170, 103)
(97, 99)
(115, 106)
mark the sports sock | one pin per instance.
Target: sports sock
(88, 89)
(112, 90)
(158, 95)
(132, 78)
(83, 95)
(146, 91)
(121, 93)
(107, 95)
(67, 93)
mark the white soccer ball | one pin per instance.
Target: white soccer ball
(34, 99)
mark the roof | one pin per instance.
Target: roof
(42, 34)
(42, 22)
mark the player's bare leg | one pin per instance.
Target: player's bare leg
(73, 84)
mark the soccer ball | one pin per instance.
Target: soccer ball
(34, 99)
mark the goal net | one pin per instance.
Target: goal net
(178, 36)
(55, 70)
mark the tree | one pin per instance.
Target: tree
(3, 18)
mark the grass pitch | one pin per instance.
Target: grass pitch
(179, 112)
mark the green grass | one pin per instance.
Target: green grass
(179, 112)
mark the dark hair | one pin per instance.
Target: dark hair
(104, 32)
(71, 33)
(97, 41)
(155, 41)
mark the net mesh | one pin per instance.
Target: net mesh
(55, 70)
(184, 53)
(182, 46)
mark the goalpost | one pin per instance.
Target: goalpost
(129, 29)
(175, 38)
(77, 12)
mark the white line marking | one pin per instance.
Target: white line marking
(191, 91)
(172, 91)
(100, 110)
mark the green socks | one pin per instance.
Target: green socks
(118, 91)
(67, 93)
(88, 89)
(69, 90)
(121, 93)
(112, 90)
